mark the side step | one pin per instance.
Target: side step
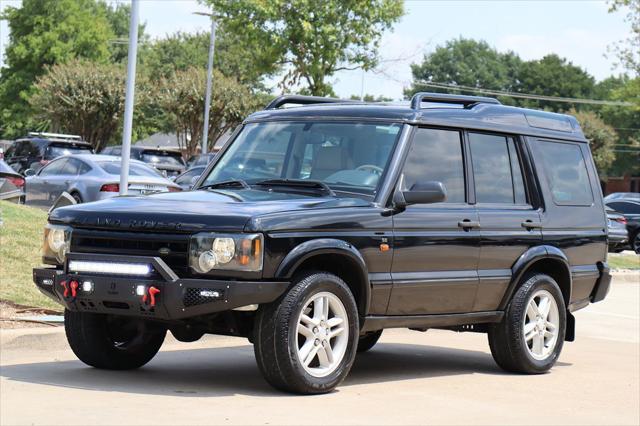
(378, 322)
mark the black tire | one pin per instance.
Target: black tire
(635, 243)
(506, 339)
(77, 197)
(112, 342)
(369, 340)
(275, 334)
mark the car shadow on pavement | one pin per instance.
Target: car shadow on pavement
(232, 370)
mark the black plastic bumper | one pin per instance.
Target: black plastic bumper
(603, 285)
(177, 298)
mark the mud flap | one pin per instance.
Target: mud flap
(570, 333)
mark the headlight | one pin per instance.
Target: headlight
(57, 241)
(231, 252)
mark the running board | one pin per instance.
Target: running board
(379, 322)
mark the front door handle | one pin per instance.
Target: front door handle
(468, 224)
(531, 225)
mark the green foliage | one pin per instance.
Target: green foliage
(181, 96)
(370, 98)
(602, 139)
(46, 32)
(312, 38)
(628, 50)
(119, 17)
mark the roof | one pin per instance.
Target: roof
(100, 158)
(467, 112)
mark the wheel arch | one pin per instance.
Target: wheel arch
(545, 259)
(335, 256)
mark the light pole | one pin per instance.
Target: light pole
(128, 101)
(207, 98)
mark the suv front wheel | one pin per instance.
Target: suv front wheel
(531, 334)
(306, 341)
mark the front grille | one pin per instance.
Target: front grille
(173, 249)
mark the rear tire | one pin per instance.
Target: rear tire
(368, 341)
(530, 336)
(112, 342)
(77, 197)
(300, 346)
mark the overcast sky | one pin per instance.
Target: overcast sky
(578, 30)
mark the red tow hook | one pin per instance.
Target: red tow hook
(71, 288)
(74, 288)
(66, 289)
(151, 296)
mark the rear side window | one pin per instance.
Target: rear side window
(53, 168)
(566, 173)
(436, 155)
(496, 169)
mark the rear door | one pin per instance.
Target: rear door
(40, 186)
(62, 179)
(509, 222)
(436, 246)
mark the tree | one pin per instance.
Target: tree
(82, 98)
(181, 96)
(628, 50)
(46, 32)
(466, 62)
(602, 139)
(312, 38)
(119, 17)
(371, 98)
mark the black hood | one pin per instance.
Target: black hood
(223, 210)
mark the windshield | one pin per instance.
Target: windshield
(54, 151)
(168, 158)
(135, 169)
(346, 156)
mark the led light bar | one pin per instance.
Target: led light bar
(110, 267)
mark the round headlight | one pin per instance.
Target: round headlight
(224, 249)
(56, 239)
(206, 261)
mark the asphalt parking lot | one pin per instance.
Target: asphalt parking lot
(436, 377)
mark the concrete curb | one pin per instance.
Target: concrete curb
(627, 276)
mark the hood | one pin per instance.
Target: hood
(192, 211)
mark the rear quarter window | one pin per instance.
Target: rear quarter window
(566, 173)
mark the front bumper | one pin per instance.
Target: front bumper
(177, 299)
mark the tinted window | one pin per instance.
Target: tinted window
(160, 157)
(53, 168)
(54, 151)
(566, 173)
(188, 176)
(71, 167)
(625, 207)
(496, 169)
(436, 155)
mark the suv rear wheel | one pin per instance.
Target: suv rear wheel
(112, 342)
(530, 337)
(306, 341)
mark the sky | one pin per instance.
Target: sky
(577, 30)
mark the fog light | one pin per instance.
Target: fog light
(87, 286)
(141, 290)
(207, 261)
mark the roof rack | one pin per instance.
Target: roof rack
(443, 98)
(55, 135)
(302, 100)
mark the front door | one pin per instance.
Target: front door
(436, 246)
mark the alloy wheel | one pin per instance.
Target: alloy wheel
(541, 325)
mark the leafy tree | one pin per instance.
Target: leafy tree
(628, 50)
(46, 32)
(466, 62)
(371, 98)
(119, 17)
(181, 96)
(312, 38)
(601, 136)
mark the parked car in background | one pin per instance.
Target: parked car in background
(90, 178)
(618, 234)
(38, 149)
(167, 161)
(200, 159)
(630, 209)
(11, 184)
(188, 178)
(622, 195)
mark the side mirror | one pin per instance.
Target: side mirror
(421, 193)
(65, 199)
(29, 172)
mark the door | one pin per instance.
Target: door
(39, 187)
(509, 223)
(436, 246)
(62, 179)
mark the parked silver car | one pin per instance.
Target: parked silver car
(11, 184)
(91, 178)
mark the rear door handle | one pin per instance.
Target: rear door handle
(531, 225)
(468, 224)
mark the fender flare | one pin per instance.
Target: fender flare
(322, 246)
(527, 259)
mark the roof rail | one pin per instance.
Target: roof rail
(54, 135)
(302, 100)
(466, 101)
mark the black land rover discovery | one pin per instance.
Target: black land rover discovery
(319, 226)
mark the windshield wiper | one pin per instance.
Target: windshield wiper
(301, 184)
(233, 183)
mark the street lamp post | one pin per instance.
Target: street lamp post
(129, 96)
(207, 99)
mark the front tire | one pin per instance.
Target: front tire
(112, 342)
(530, 336)
(306, 341)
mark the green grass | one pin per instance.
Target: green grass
(624, 261)
(21, 236)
